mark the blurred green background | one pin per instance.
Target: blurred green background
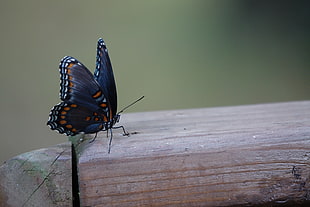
(179, 54)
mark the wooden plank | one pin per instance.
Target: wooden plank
(37, 178)
(241, 155)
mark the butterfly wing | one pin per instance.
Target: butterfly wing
(78, 84)
(84, 107)
(71, 119)
(104, 75)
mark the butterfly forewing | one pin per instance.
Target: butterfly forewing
(104, 75)
(78, 84)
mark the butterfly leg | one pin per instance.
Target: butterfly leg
(93, 139)
(110, 142)
(111, 135)
(124, 131)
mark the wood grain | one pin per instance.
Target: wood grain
(240, 155)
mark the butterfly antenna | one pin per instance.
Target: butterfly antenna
(121, 111)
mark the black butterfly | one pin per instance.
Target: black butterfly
(89, 101)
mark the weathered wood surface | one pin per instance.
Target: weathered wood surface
(225, 156)
(243, 155)
(37, 178)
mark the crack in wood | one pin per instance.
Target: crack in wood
(75, 179)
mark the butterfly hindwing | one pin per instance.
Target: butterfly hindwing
(104, 75)
(71, 119)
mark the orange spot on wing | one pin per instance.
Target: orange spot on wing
(66, 108)
(97, 94)
(87, 118)
(105, 119)
(63, 112)
(73, 105)
(70, 66)
(103, 105)
(69, 126)
(62, 122)
(73, 130)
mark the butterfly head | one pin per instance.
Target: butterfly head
(116, 119)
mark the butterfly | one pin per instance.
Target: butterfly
(89, 102)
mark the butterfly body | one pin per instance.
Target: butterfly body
(89, 102)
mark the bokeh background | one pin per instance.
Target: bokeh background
(178, 53)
